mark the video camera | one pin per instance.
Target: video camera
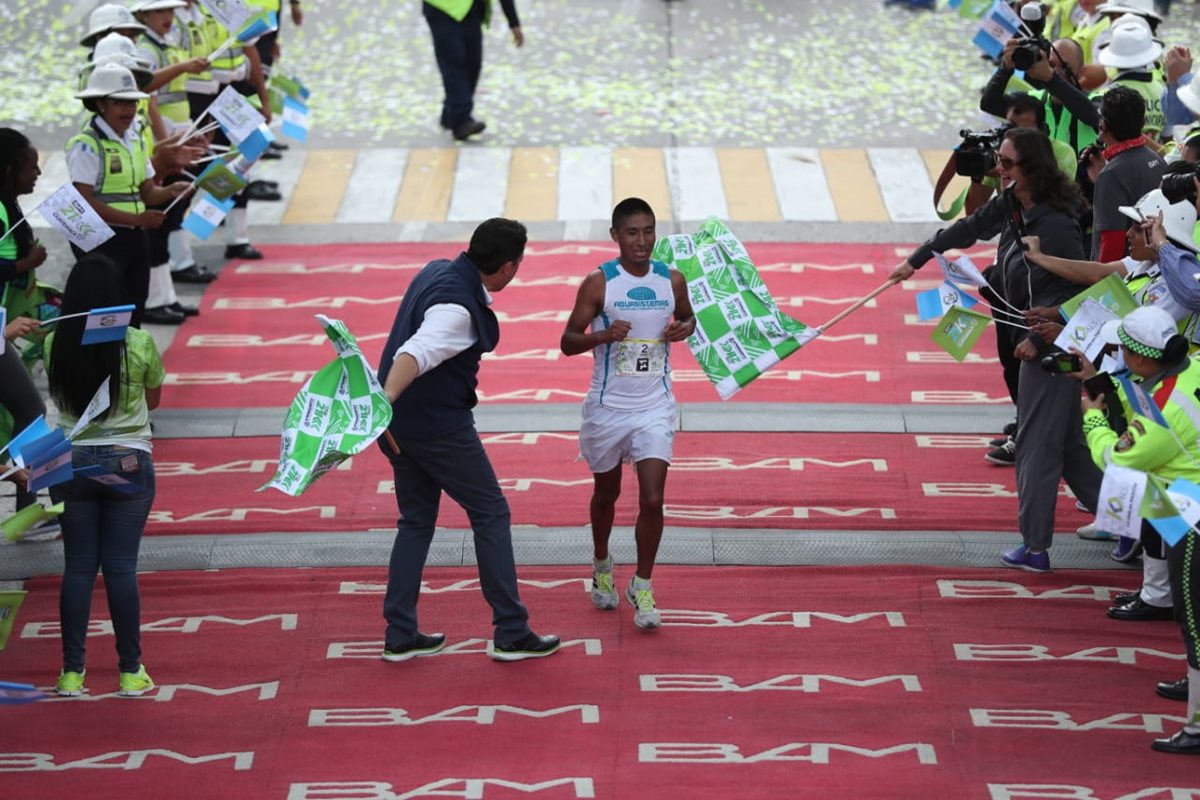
(976, 155)
(1029, 48)
(1180, 186)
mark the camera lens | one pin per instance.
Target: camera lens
(1025, 56)
(1177, 188)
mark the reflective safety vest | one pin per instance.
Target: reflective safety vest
(458, 9)
(172, 98)
(266, 5)
(8, 247)
(1152, 92)
(1063, 126)
(193, 40)
(122, 171)
(230, 65)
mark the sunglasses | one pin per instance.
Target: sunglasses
(1008, 163)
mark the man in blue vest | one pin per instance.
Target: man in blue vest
(457, 29)
(429, 370)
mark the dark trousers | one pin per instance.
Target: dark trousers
(20, 398)
(102, 529)
(1185, 590)
(458, 47)
(458, 465)
(130, 249)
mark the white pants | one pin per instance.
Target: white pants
(609, 436)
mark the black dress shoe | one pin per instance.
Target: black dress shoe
(259, 190)
(469, 129)
(278, 146)
(270, 155)
(162, 315)
(1173, 690)
(243, 251)
(196, 273)
(1125, 598)
(532, 646)
(1183, 743)
(1139, 611)
(180, 308)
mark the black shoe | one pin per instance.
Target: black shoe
(180, 308)
(1182, 743)
(1005, 455)
(1010, 429)
(260, 190)
(1173, 690)
(243, 251)
(270, 155)
(278, 146)
(1141, 611)
(532, 646)
(162, 315)
(1125, 598)
(423, 644)
(196, 273)
(469, 129)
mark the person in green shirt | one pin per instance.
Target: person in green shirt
(106, 510)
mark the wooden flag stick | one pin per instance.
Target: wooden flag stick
(857, 305)
(391, 441)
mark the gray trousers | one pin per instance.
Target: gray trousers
(20, 398)
(458, 465)
(1050, 447)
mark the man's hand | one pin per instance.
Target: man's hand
(1025, 351)
(151, 219)
(902, 272)
(1042, 314)
(678, 331)
(1041, 71)
(1033, 245)
(20, 477)
(518, 37)
(1177, 62)
(195, 65)
(1156, 233)
(618, 331)
(1086, 370)
(1049, 331)
(1087, 403)
(19, 327)
(1006, 55)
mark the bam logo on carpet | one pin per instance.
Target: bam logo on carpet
(475, 788)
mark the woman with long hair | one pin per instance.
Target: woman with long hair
(1037, 200)
(20, 254)
(103, 521)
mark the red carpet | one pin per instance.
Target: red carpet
(794, 481)
(256, 341)
(901, 688)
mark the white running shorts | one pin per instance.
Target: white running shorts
(610, 436)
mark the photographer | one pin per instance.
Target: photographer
(1038, 200)
(1156, 354)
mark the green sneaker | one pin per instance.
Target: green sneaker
(646, 614)
(70, 684)
(604, 594)
(135, 684)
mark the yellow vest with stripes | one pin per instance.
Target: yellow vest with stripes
(232, 59)
(172, 98)
(122, 172)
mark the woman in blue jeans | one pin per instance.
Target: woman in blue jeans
(106, 509)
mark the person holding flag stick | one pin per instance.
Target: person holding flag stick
(108, 164)
(1037, 199)
(108, 499)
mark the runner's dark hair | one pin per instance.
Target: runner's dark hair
(74, 371)
(496, 242)
(627, 208)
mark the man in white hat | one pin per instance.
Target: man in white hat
(1132, 51)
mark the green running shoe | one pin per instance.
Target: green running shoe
(135, 684)
(70, 684)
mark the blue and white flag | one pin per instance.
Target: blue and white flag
(1185, 497)
(97, 473)
(996, 27)
(48, 460)
(936, 302)
(1140, 400)
(256, 143)
(33, 431)
(206, 215)
(106, 324)
(961, 271)
(15, 694)
(295, 119)
(259, 26)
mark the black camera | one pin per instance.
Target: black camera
(1180, 186)
(976, 154)
(1030, 47)
(1062, 363)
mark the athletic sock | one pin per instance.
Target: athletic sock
(603, 566)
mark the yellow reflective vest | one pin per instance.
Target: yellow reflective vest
(122, 171)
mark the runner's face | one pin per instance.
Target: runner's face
(635, 238)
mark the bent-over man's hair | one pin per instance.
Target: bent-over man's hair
(496, 242)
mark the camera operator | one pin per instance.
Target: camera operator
(1038, 200)
(1123, 172)
(1070, 116)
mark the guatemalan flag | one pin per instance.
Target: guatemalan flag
(295, 119)
(936, 302)
(206, 215)
(107, 324)
(996, 27)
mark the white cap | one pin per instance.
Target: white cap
(111, 80)
(114, 45)
(1130, 47)
(1145, 330)
(157, 5)
(106, 18)
(1179, 219)
(1143, 8)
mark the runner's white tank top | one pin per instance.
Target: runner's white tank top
(635, 373)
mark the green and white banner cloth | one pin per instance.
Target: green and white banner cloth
(339, 413)
(740, 331)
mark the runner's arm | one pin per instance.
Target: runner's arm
(589, 304)
(685, 319)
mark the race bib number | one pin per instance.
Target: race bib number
(641, 357)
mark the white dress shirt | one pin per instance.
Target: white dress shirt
(446, 331)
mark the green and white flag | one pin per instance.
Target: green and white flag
(339, 413)
(10, 604)
(959, 330)
(740, 331)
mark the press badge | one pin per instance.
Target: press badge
(641, 357)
